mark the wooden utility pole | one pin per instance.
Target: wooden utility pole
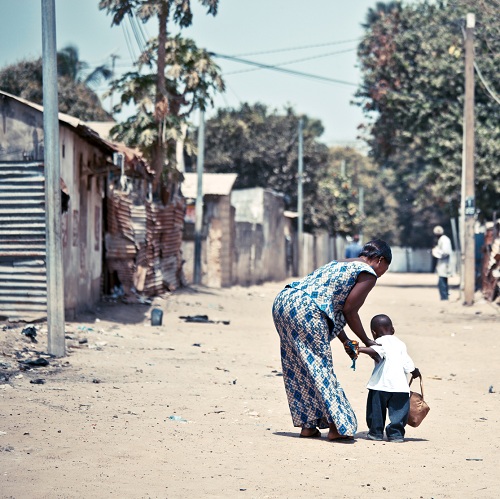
(361, 209)
(300, 202)
(55, 274)
(113, 63)
(468, 202)
(198, 224)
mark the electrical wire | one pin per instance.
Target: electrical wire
(128, 42)
(328, 54)
(140, 30)
(303, 47)
(486, 86)
(283, 70)
(135, 31)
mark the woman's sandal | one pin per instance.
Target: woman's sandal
(342, 438)
(316, 434)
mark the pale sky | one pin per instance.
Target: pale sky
(241, 27)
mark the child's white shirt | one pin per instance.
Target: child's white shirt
(389, 375)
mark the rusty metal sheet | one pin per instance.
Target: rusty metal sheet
(23, 281)
(153, 256)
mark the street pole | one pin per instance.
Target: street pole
(55, 274)
(198, 225)
(300, 228)
(361, 209)
(113, 62)
(469, 204)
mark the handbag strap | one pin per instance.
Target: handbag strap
(421, 385)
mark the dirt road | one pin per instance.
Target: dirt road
(188, 410)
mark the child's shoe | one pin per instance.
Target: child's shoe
(369, 436)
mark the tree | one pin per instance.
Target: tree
(347, 173)
(190, 81)
(413, 83)
(24, 79)
(179, 11)
(69, 65)
(261, 146)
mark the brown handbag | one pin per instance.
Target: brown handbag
(418, 406)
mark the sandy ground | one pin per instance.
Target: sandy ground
(187, 410)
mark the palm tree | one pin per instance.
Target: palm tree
(69, 65)
(163, 10)
(191, 79)
(76, 96)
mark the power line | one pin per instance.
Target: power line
(283, 70)
(303, 47)
(328, 54)
(483, 81)
(135, 31)
(140, 30)
(128, 42)
(486, 86)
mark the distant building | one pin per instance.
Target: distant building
(217, 245)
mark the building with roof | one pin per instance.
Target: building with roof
(104, 186)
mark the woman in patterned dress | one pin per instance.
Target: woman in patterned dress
(308, 314)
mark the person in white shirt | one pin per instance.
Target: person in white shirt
(442, 252)
(388, 388)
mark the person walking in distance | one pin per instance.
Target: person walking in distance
(353, 249)
(442, 251)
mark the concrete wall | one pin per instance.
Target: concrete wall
(319, 249)
(82, 224)
(260, 249)
(415, 260)
(216, 245)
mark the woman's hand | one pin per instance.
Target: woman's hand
(370, 343)
(352, 348)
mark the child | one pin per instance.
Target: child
(388, 389)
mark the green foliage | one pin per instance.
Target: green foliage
(261, 146)
(191, 79)
(181, 78)
(178, 10)
(350, 176)
(69, 65)
(24, 79)
(412, 60)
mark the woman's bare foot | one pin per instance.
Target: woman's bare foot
(310, 433)
(333, 434)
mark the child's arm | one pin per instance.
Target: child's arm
(371, 352)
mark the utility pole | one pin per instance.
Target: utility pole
(55, 274)
(469, 203)
(300, 228)
(361, 209)
(343, 168)
(113, 62)
(198, 224)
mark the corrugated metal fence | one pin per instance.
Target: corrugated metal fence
(23, 283)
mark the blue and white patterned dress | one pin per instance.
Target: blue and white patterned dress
(300, 313)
